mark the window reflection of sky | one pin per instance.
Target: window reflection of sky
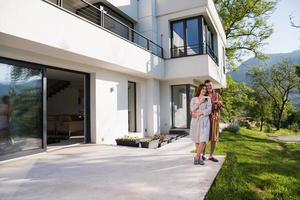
(6, 79)
(190, 36)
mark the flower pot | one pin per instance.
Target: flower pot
(151, 144)
(127, 142)
(163, 143)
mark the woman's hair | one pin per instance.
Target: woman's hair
(200, 87)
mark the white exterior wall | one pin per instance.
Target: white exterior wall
(112, 105)
(153, 103)
(147, 23)
(129, 7)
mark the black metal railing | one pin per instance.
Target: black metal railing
(196, 49)
(101, 18)
(212, 54)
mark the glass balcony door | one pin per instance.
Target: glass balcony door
(181, 97)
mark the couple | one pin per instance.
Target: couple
(205, 109)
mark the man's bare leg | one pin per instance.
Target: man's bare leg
(212, 151)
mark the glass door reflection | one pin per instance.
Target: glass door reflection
(20, 108)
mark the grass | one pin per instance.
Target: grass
(284, 132)
(256, 168)
(281, 132)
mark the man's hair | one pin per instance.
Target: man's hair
(207, 81)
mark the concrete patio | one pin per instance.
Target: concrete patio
(96, 172)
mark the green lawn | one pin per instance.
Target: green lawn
(284, 132)
(256, 168)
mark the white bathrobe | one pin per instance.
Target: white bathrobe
(200, 126)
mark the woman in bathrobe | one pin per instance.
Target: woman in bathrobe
(200, 125)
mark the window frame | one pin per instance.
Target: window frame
(135, 108)
(185, 35)
(202, 35)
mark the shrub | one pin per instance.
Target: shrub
(129, 137)
(257, 124)
(128, 140)
(234, 128)
(245, 124)
(268, 129)
(160, 137)
(294, 127)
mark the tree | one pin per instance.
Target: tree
(261, 109)
(235, 98)
(246, 27)
(298, 71)
(277, 83)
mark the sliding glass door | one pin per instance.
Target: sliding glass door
(179, 104)
(181, 97)
(21, 102)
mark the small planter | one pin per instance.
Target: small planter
(151, 144)
(170, 138)
(163, 143)
(128, 142)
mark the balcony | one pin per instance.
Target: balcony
(192, 50)
(45, 33)
(199, 67)
(98, 15)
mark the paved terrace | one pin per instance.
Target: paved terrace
(96, 172)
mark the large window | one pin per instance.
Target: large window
(20, 108)
(178, 39)
(191, 37)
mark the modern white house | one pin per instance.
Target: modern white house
(96, 70)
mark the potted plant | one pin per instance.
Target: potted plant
(149, 142)
(128, 140)
(170, 138)
(162, 139)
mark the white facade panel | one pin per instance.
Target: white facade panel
(112, 105)
(185, 67)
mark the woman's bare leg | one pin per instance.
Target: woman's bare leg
(197, 149)
(200, 150)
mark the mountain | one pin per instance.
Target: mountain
(241, 75)
(4, 89)
(292, 57)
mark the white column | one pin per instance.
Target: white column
(147, 24)
(153, 107)
(93, 114)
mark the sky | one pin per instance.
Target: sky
(285, 37)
